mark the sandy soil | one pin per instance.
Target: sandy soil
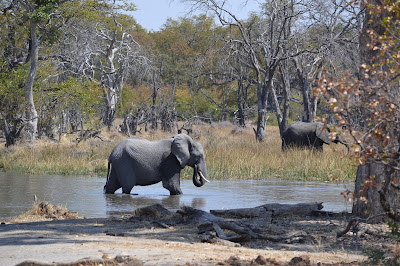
(156, 240)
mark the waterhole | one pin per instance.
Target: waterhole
(84, 194)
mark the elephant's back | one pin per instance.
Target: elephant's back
(132, 146)
(299, 128)
(141, 152)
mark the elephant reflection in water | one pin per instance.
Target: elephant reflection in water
(198, 203)
(134, 201)
(125, 204)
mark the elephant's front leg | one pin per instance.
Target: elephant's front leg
(173, 184)
(171, 171)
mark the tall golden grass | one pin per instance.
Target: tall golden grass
(234, 153)
(231, 153)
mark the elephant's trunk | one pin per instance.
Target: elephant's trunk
(198, 182)
(108, 177)
(347, 146)
(339, 140)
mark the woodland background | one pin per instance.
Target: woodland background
(77, 65)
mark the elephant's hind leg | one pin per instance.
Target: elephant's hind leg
(126, 176)
(127, 189)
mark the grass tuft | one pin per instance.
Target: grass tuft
(45, 211)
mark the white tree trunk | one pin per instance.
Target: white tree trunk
(31, 116)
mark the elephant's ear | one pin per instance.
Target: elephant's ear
(323, 133)
(181, 148)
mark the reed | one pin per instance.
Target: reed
(231, 153)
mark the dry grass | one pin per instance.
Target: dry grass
(231, 153)
(65, 158)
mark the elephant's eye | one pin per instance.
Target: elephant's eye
(197, 158)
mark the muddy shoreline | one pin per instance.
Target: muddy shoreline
(151, 239)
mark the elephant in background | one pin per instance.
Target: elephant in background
(140, 162)
(311, 135)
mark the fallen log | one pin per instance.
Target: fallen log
(269, 210)
(216, 240)
(300, 209)
(219, 231)
(288, 238)
(208, 227)
(257, 212)
(199, 216)
(217, 226)
(355, 222)
(318, 213)
(208, 222)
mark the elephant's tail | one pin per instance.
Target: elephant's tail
(108, 174)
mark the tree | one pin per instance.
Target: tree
(86, 42)
(376, 96)
(182, 54)
(11, 102)
(99, 46)
(35, 16)
(263, 44)
(228, 73)
(330, 31)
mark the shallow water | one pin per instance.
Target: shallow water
(85, 195)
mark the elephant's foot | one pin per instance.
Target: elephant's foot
(126, 191)
(174, 193)
(108, 190)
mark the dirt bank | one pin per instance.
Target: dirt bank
(156, 240)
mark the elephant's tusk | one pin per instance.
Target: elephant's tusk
(202, 176)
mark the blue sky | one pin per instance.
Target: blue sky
(152, 14)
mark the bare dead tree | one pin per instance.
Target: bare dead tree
(154, 119)
(260, 41)
(104, 54)
(132, 120)
(168, 114)
(333, 28)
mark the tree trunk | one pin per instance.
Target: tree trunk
(375, 182)
(111, 103)
(112, 83)
(12, 134)
(370, 181)
(31, 116)
(261, 121)
(307, 111)
(240, 103)
(283, 116)
(153, 107)
(262, 118)
(224, 110)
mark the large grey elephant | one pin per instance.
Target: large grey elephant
(312, 135)
(140, 162)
